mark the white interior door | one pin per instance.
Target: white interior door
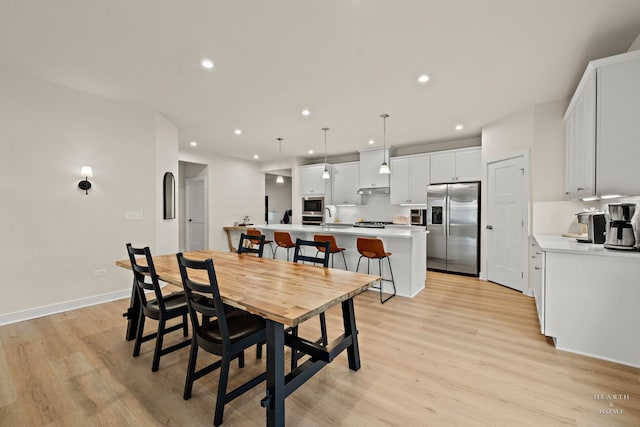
(507, 222)
(196, 214)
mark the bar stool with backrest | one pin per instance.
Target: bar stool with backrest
(227, 336)
(255, 232)
(372, 248)
(251, 244)
(161, 308)
(298, 256)
(283, 240)
(333, 247)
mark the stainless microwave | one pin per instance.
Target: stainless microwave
(313, 206)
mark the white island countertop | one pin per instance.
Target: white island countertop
(397, 232)
(407, 245)
(557, 243)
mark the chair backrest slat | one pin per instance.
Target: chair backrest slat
(145, 276)
(299, 256)
(200, 295)
(248, 244)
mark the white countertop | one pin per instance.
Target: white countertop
(557, 243)
(406, 232)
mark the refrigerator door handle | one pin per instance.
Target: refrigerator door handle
(447, 201)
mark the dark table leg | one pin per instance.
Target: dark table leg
(275, 374)
(132, 314)
(349, 319)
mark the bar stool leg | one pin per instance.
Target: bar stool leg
(393, 283)
(345, 261)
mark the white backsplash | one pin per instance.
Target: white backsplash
(374, 207)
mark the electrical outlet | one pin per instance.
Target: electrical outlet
(100, 272)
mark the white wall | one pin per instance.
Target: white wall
(236, 188)
(53, 236)
(166, 161)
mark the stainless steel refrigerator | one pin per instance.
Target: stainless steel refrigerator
(453, 218)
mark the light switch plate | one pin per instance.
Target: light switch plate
(133, 215)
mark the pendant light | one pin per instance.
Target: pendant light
(325, 173)
(384, 167)
(280, 179)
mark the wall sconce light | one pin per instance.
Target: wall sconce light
(85, 184)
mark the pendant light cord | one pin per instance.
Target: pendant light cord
(384, 137)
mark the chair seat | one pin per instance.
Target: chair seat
(175, 300)
(241, 324)
(369, 254)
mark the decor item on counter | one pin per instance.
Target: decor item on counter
(325, 172)
(87, 173)
(169, 196)
(595, 224)
(280, 179)
(384, 167)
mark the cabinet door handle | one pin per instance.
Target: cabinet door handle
(538, 268)
(489, 227)
(580, 188)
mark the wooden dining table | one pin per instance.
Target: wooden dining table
(285, 294)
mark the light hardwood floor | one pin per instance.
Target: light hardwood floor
(463, 352)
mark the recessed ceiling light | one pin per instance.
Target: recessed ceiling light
(207, 63)
(423, 78)
(310, 151)
(193, 143)
(371, 142)
(306, 112)
(459, 127)
(255, 156)
(238, 131)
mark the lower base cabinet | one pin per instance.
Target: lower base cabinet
(589, 303)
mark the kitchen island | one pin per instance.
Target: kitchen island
(408, 246)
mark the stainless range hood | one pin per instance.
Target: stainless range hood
(374, 190)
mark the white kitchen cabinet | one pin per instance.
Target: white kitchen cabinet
(537, 274)
(581, 143)
(370, 162)
(409, 179)
(603, 130)
(461, 165)
(587, 298)
(311, 182)
(346, 182)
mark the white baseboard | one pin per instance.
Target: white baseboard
(32, 313)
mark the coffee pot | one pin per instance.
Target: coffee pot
(620, 230)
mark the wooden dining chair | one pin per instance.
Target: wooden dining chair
(227, 334)
(298, 256)
(251, 244)
(161, 308)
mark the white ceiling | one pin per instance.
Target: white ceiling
(347, 61)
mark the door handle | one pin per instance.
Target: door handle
(489, 227)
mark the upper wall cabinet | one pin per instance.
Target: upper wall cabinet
(603, 130)
(456, 166)
(370, 162)
(409, 180)
(311, 182)
(346, 182)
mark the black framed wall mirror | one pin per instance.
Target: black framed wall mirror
(169, 195)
